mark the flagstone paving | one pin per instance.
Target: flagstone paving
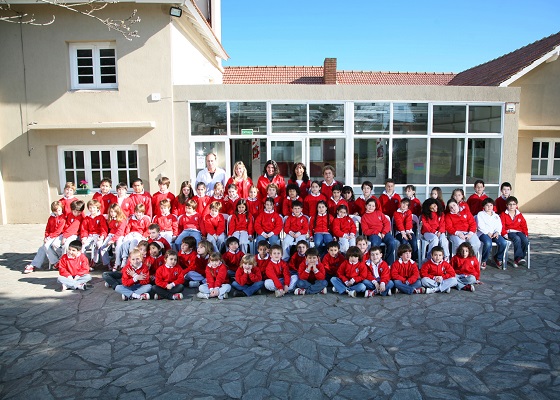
(503, 341)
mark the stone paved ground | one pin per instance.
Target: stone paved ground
(500, 342)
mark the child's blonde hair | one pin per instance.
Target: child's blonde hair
(215, 256)
(94, 203)
(248, 259)
(55, 204)
(134, 252)
(121, 216)
(206, 245)
(70, 185)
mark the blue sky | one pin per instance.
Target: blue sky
(372, 35)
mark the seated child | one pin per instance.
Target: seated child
(135, 278)
(298, 257)
(232, 257)
(154, 235)
(514, 228)
(379, 274)
(154, 260)
(70, 232)
(215, 226)
(73, 268)
(363, 245)
(433, 227)
(404, 272)
(167, 222)
(437, 274)
(268, 224)
(263, 256)
(136, 230)
(461, 226)
(196, 272)
(187, 254)
(415, 205)
(241, 225)
(467, 270)
(344, 228)
(377, 227)
(351, 274)
(336, 200)
(311, 275)
(489, 229)
(248, 277)
(216, 279)
(190, 224)
(332, 260)
(404, 225)
(114, 278)
(54, 228)
(117, 222)
(278, 275)
(169, 279)
(93, 230)
(296, 228)
(320, 228)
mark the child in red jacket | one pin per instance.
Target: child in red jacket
(248, 277)
(298, 257)
(93, 229)
(168, 223)
(461, 226)
(437, 274)
(332, 260)
(135, 278)
(312, 276)
(73, 268)
(466, 266)
(351, 274)
(296, 228)
(268, 223)
(514, 228)
(278, 275)
(379, 274)
(344, 228)
(320, 227)
(187, 254)
(70, 232)
(241, 225)
(404, 226)
(154, 260)
(195, 273)
(216, 279)
(404, 272)
(215, 226)
(377, 227)
(433, 227)
(169, 279)
(232, 257)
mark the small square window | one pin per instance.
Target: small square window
(93, 65)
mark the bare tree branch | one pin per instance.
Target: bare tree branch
(19, 18)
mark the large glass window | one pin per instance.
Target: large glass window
(485, 119)
(327, 152)
(409, 161)
(286, 153)
(208, 119)
(326, 118)
(410, 118)
(446, 161)
(449, 119)
(248, 118)
(371, 118)
(289, 118)
(545, 159)
(483, 160)
(370, 160)
(203, 148)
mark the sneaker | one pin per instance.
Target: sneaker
(420, 290)
(334, 290)
(125, 298)
(156, 297)
(430, 290)
(201, 295)
(448, 290)
(324, 291)
(522, 261)
(390, 292)
(81, 286)
(236, 293)
(351, 293)
(107, 285)
(258, 292)
(278, 293)
(144, 296)
(469, 288)
(517, 262)
(194, 284)
(64, 287)
(299, 292)
(29, 269)
(397, 291)
(369, 293)
(225, 296)
(178, 296)
(498, 262)
(483, 265)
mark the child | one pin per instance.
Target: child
(437, 194)
(154, 235)
(195, 273)
(70, 232)
(389, 200)
(461, 226)
(68, 198)
(140, 196)
(231, 200)
(489, 229)
(404, 272)
(466, 267)
(514, 228)
(311, 275)
(216, 279)
(104, 196)
(117, 226)
(367, 190)
(232, 257)
(135, 278)
(54, 228)
(218, 195)
(351, 274)
(377, 227)
(179, 202)
(155, 259)
(404, 226)
(241, 225)
(254, 205)
(169, 279)
(136, 230)
(93, 230)
(202, 200)
(268, 224)
(263, 256)
(459, 196)
(500, 204)
(328, 182)
(348, 195)
(475, 200)
(123, 200)
(114, 278)
(248, 278)
(162, 194)
(215, 226)
(272, 193)
(190, 224)
(167, 222)
(379, 274)
(433, 227)
(336, 200)
(320, 227)
(187, 254)
(311, 200)
(293, 195)
(332, 260)
(437, 274)
(344, 228)
(415, 205)
(296, 228)
(73, 268)
(278, 273)
(301, 179)
(298, 257)
(363, 245)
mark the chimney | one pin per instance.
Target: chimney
(329, 71)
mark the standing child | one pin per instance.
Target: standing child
(344, 228)
(320, 228)
(54, 228)
(268, 224)
(248, 278)
(169, 279)
(278, 275)
(117, 226)
(311, 200)
(461, 226)
(379, 274)
(415, 205)
(437, 274)
(167, 222)
(93, 230)
(475, 200)
(296, 228)
(135, 278)
(312, 276)
(348, 195)
(389, 200)
(140, 196)
(68, 198)
(272, 193)
(437, 194)
(514, 228)
(489, 229)
(190, 224)
(293, 195)
(377, 227)
(178, 203)
(216, 279)
(466, 267)
(215, 226)
(104, 196)
(232, 257)
(241, 225)
(73, 268)
(405, 273)
(433, 227)
(231, 200)
(123, 200)
(162, 194)
(336, 199)
(404, 226)
(254, 205)
(351, 274)
(202, 200)
(505, 190)
(459, 196)
(218, 195)
(332, 260)
(367, 193)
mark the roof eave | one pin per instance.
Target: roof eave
(204, 30)
(553, 53)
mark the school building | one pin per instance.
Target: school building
(79, 102)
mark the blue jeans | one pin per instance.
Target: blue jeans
(321, 240)
(464, 280)
(391, 245)
(136, 288)
(187, 232)
(274, 239)
(341, 287)
(407, 288)
(370, 286)
(412, 242)
(311, 288)
(520, 243)
(73, 283)
(249, 290)
(487, 247)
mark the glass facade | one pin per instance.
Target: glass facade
(426, 144)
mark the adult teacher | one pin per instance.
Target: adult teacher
(271, 174)
(241, 180)
(211, 174)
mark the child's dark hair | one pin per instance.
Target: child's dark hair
(181, 197)
(405, 200)
(411, 187)
(230, 240)
(207, 246)
(75, 244)
(155, 227)
(143, 243)
(338, 187)
(403, 248)
(458, 190)
(77, 205)
(478, 181)
(275, 247)
(189, 241)
(361, 238)
(170, 253)
(333, 244)
(389, 180)
(312, 252)
(201, 184)
(342, 207)
(215, 256)
(354, 251)
(368, 184)
(122, 185)
(293, 186)
(510, 198)
(487, 200)
(426, 212)
(297, 203)
(463, 245)
(505, 184)
(305, 176)
(371, 199)
(375, 248)
(156, 245)
(263, 243)
(302, 242)
(317, 214)
(438, 248)
(348, 189)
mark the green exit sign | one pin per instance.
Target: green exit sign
(246, 131)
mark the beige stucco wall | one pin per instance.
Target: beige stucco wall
(540, 102)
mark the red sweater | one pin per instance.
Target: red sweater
(167, 223)
(126, 206)
(466, 266)
(268, 222)
(248, 279)
(241, 222)
(106, 200)
(276, 271)
(128, 280)
(94, 226)
(415, 206)
(360, 203)
(514, 223)
(199, 265)
(187, 260)
(310, 203)
(462, 221)
(403, 220)
(344, 225)
(326, 189)
(380, 272)
(430, 269)
(159, 196)
(500, 205)
(333, 264)
(193, 221)
(374, 223)
(232, 260)
(230, 205)
(202, 204)
(72, 225)
(295, 261)
(78, 266)
(216, 277)
(287, 205)
(55, 226)
(142, 198)
(310, 276)
(297, 224)
(348, 271)
(321, 224)
(214, 225)
(138, 225)
(262, 263)
(332, 205)
(65, 202)
(242, 186)
(166, 275)
(303, 188)
(254, 207)
(153, 264)
(475, 202)
(389, 204)
(117, 228)
(263, 182)
(405, 271)
(434, 224)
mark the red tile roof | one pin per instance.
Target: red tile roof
(493, 73)
(314, 76)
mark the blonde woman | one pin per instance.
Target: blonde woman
(240, 179)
